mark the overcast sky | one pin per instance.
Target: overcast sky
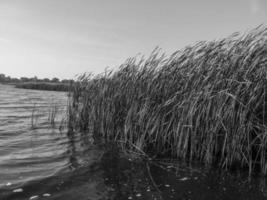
(62, 38)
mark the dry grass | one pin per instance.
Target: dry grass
(204, 102)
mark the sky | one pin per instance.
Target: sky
(65, 38)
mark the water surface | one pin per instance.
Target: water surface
(39, 161)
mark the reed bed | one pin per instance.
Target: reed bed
(206, 102)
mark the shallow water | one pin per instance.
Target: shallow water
(38, 161)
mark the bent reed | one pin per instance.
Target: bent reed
(206, 102)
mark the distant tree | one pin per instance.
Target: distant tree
(46, 80)
(55, 80)
(66, 81)
(33, 79)
(24, 79)
(15, 80)
(2, 77)
(8, 79)
(71, 81)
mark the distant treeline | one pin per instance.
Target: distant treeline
(45, 86)
(53, 84)
(35, 79)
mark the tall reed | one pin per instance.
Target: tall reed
(205, 102)
(52, 114)
(34, 117)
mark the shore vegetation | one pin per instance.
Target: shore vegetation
(206, 102)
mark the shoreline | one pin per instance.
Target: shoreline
(44, 86)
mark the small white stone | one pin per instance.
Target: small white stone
(167, 185)
(138, 195)
(184, 179)
(34, 197)
(18, 190)
(8, 184)
(46, 195)
(130, 197)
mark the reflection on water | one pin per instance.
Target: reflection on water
(44, 163)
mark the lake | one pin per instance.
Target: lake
(39, 159)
